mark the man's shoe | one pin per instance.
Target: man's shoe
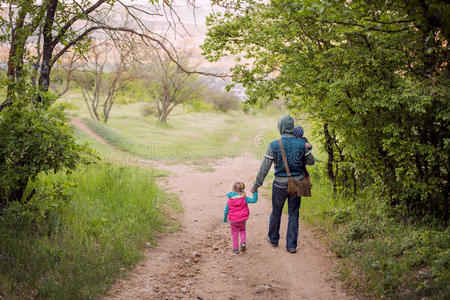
(272, 244)
(292, 250)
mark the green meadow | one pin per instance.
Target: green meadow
(187, 135)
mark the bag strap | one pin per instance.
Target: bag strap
(286, 166)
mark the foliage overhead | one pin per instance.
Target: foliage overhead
(373, 75)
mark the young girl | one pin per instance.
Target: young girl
(237, 211)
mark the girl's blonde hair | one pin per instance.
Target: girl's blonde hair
(239, 187)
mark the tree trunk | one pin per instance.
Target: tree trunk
(47, 49)
(15, 57)
(329, 149)
(17, 193)
(163, 118)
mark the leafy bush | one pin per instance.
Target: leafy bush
(36, 138)
(198, 105)
(385, 257)
(223, 101)
(148, 109)
(40, 214)
(246, 108)
(136, 90)
(341, 216)
(359, 230)
(70, 105)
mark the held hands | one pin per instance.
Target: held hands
(307, 144)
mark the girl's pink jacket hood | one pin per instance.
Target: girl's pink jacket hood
(238, 209)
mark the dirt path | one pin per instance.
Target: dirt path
(197, 262)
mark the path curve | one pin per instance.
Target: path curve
(196, 262)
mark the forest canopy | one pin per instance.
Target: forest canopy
(372, 75)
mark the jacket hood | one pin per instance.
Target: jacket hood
(286, 124)
(234, 195)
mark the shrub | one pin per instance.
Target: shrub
(246, 108)
(198, 105)
(387, 258)
(359, 230)
(36, 138)
(40, 213)
(224, 101)
(147, 109)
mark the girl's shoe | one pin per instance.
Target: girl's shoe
(243, 247)
(236, 251)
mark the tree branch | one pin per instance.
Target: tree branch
(363, 26)
(143, 36)
(76, 18)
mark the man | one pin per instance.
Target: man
(297, 156)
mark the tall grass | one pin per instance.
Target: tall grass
(81, 245)
(116, 139)
(382, 256)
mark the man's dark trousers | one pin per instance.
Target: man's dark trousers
(279, 196)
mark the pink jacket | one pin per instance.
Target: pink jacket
(238, 209)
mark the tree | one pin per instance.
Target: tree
(64, 69)
(373, 75)
(101, 76)
(169, 85)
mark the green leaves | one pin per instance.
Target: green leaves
(36, 139)
(364, 69)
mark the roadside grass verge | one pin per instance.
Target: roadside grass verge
(381, 255)
(80, 234)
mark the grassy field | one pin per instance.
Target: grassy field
(83, 231)
(194, 135)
